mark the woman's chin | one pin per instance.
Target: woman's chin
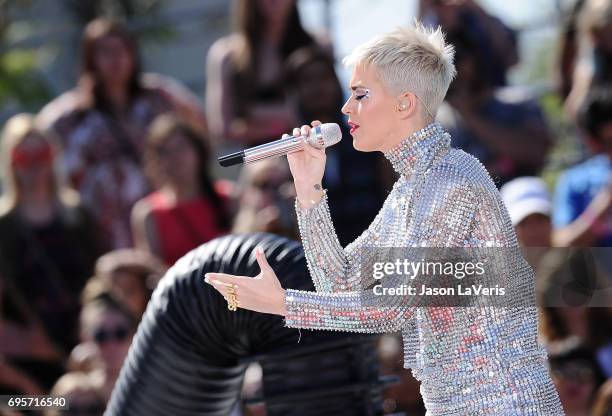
(361, 146)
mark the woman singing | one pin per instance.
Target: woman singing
(470, 360)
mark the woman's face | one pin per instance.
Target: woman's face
(132, 289)
(113, 61)
(575, 382)
(371, 111)
(268, 185)
(275, 11)
(178, 159)
(317, 88)
(111, 332)
(534, 231)
(32, 161)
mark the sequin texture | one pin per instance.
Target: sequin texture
(470, 360)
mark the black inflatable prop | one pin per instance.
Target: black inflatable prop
(190, 352)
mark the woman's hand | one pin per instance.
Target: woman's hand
(262, 293)
(307, 168)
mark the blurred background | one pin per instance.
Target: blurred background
(113, 111)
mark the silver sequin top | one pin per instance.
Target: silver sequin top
(470, 360)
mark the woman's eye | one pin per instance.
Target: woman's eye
(360, 96)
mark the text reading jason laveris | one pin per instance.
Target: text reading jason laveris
(411, 270)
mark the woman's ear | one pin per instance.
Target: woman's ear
(406, 104)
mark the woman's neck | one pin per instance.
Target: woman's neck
(37, 206)
(273, 33)
(117, 97)
(181, 192)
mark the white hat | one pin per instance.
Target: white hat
(525, 196)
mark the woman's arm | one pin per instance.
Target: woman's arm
(346, 311)
(331, 267)
(144, 229)
(443, 218)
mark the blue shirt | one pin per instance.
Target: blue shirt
(576, 188)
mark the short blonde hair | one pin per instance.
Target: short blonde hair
(414, 59)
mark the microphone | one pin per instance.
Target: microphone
(321, 136)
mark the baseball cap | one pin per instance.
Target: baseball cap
(525, 196)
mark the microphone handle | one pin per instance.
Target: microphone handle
(273, 149)
(276, 148)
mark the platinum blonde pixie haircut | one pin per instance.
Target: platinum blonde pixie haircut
(414, 59)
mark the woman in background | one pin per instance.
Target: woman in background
(186, 210)
(103, 123)
(265, 195)
(107, 323)
(245, 97)
(47, 240)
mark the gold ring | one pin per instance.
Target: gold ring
(232, 302)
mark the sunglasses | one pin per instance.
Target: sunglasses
(27, 158)
(102, 336)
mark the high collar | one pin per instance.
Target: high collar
(415, 153)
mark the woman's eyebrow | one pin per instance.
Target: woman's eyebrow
(355, 87)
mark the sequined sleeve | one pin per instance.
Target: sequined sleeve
(343, 311)
(331, 269)
(442, 217)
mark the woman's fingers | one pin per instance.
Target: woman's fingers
(223, 280)
(262, 261)
(315, 123)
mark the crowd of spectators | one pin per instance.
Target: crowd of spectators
(109, 184)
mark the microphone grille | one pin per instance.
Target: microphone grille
(331, 134)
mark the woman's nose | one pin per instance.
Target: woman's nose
(346, 108)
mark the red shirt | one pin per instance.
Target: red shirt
(184, 226)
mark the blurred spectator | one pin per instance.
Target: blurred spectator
(245, 96)
(19, 340)
(265, 195)
(15, 381)
(567, 282)
(576, 375)
(503, 128)
(25, 344)
(353, 178)
(186, 210)
(131, 275)
(83, 393)
(103, 123)
(603, 401)
(583, 197)
(494, 40)
(529, 207)
(593, 67)
(47, 240)
(107, 323)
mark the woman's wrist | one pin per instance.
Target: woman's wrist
(282, 310)
(309, 195)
